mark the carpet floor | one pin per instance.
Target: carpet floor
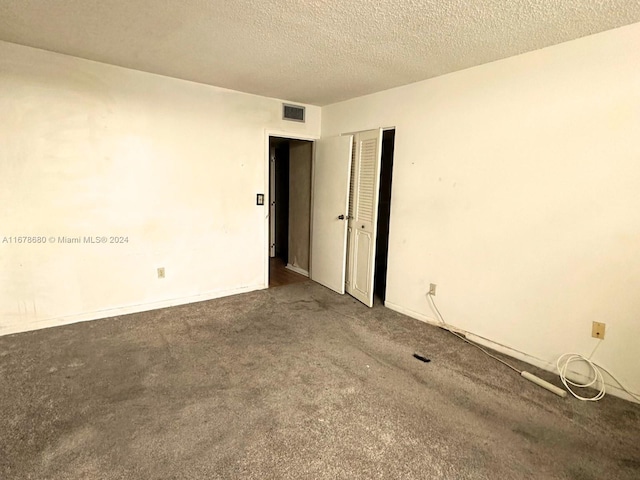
(290, 383)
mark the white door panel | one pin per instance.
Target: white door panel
(331, 176)
(363, 215)
(362, 261)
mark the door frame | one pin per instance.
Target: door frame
(384, 129)
(267, 201)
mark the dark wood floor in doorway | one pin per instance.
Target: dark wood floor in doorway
(280, 275)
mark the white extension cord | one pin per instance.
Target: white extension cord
(562, 364)
(446, 326)
(529, 376)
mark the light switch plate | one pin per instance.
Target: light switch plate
(260, 199)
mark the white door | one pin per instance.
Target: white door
(331, 172)
(363, 215)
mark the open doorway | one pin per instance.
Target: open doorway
(289, 210)
(339, 213)
(384, 214)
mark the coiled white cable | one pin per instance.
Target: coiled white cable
(595, 375)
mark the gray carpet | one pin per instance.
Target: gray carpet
(289, 383)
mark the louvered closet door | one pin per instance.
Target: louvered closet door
(363, 215)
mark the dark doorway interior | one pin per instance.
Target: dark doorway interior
(282, 203)
(384, 212)
(290, 166)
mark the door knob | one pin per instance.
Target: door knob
(340, 217)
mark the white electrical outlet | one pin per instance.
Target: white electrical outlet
(432, 289)
(161, 272)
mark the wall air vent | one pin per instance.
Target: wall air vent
(294, 113)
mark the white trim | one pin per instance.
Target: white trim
(313, 173)
(297, 270)
(525, 357)
(384, 129)
(411, 313)
(290, 135)
(419, 316)
(126, 310)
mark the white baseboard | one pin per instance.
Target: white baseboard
(419, 316)
(125, 310)
(545, 365)
(297, 270)
(530, 359)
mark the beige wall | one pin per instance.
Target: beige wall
(88, 149)
(516, 191)
(300, 154)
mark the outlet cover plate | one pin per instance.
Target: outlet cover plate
(597, 330)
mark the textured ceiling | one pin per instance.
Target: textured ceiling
(313, 51)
